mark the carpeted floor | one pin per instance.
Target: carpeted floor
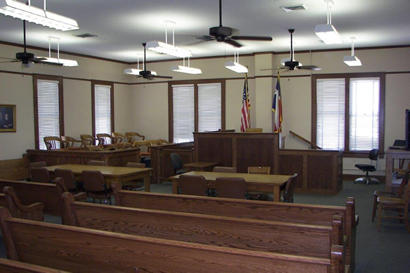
(387, 251)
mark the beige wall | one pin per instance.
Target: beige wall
(143, 106)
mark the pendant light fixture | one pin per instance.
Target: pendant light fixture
(58, 60)
(186, 69)
(327, 32)
(352, 60)
(235, 65)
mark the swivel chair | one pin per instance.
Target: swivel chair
(373, 155)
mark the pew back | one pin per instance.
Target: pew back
(251, 234)
(85, 250)
(32, 192)
(11, 266)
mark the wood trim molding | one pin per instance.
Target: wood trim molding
(93, 83)
(170, 114)
(37, 77)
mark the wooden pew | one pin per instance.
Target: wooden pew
(3, 202)
(31, 192)
(14, 168)
(251, 234)
(263, 210)
(11, 266)
(86, 250)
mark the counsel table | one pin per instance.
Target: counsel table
(254, 182)
(111, 173)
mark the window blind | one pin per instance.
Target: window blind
(209, 107)
(183, 112)
(330, 99)
(102, 106)
(48, 108)
(364, 113)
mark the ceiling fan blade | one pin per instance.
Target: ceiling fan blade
(232, 42)
(205, 38)
(161, 77)
(310, 67)
(11, 61)
(275, 69)
(252, 38)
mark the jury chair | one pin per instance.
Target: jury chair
(177, 164)
(287, 193)
(373, 155)
(133, 136)
(53, 142)
(33, 211)
(69, 142)
(87, 140)
(399, 205)
(95, 187)
(40, 175)
(105, 139)
(224, 169)
(193, 185)
(230, 187)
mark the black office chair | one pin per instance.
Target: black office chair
(373, 155)
(177, 164)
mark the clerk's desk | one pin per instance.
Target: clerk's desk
(391, 155)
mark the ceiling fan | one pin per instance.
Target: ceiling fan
(225, 34)
(27, 58)
(291, 63)
(146, 74)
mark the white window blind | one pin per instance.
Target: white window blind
(364, 113)
(330, 98)
(48, 107)
(183, 112)
(102, 106)
(209, 107)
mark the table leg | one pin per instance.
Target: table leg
(147, 183)
(276, 193)
(174, 187)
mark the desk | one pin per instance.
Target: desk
(254, 182)
(200, 166)
(391, 155)
(111, 173)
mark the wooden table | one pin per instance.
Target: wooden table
(391, 155)
(200, 166)
(111, 173)
(254, 182)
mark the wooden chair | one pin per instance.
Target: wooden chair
(118, 137)
(223, 169)
(193, 185)
(253, 130)
(53, 142)
(69, 142)
(96, 163)
(68, 179)
(17, 209)
(40, 175)
(105, 139)
(87, 140)
(259, 170)
(230, 187)
(290, 185)
(135, 164)
(94, 186)
(36, 164)
(61, 188)
(131, 136)
(156, 142)
(396, 204)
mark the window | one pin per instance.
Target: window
(48, 109)
(103, 108)
(347, 112)
(197, 106)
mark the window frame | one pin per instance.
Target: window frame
(196, 115)
(93, 84)
(347, 77)
(59, 79)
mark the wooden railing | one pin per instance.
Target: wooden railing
(314, 146)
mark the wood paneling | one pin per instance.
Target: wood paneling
(290, 164)
(14, 169)
(111, 158)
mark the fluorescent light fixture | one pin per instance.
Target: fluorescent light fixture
(136, 71)
(328, 34)
(236, 67)
(63, 62)
(186, 69)
(36, 15)
(168, 49)
(352, 60)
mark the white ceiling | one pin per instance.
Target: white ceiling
(122, 25)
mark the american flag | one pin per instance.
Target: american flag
(277, 117)
(245, 117)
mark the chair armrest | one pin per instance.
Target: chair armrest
(81, 196)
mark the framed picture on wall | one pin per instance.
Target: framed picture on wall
(7, 118)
